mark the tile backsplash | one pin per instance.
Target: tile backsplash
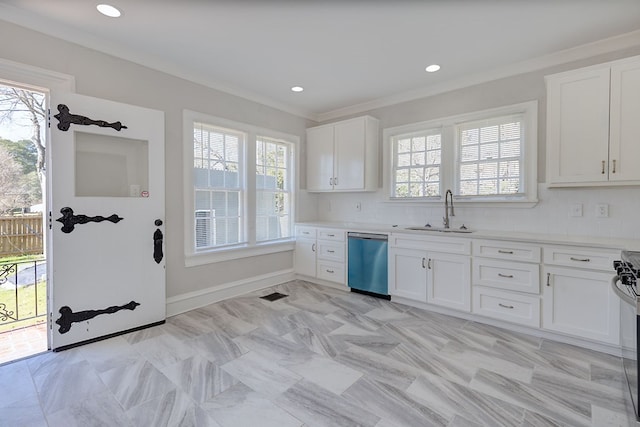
(553, 214)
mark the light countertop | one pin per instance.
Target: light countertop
(555, 239)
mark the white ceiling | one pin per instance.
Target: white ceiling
(349, 55)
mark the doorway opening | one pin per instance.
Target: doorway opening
(23, 276)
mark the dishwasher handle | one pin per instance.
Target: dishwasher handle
(368, 236)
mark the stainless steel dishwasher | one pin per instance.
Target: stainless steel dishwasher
(367, 264)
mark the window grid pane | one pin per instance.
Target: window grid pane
(417, 160)
(218, 186)
(273, 190)
(490, 158)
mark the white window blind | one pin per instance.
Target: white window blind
(273, 189)
(417, 161)
(490, 157)
(218, 185)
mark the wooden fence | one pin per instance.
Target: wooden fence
(21, 235)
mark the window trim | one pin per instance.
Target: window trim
(449, 164)
(250, 248)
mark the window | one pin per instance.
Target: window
(239, 187)
(273, 189)
(417, 160)
(483, 157)
(490, 157)
(218, 185)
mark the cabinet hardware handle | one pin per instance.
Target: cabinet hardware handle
(331, 235)
(313, 247)
(335, 181)
(429, 264)
(614, 167)
(508, 276)
(580, 259)
(603, 167)
(330, 271)
(330, 181)
(423, 260)
(500, 251)
(548, 279)
(305, 232)
(505, 306)
(330, 251)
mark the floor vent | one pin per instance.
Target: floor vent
(274, 296)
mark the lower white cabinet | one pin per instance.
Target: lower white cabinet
(320, 253)
(433, 277)
(506, 305)
(408, 274)
(305, 257)
(581, 303)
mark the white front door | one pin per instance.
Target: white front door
(105, 248)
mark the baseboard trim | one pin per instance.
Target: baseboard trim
(192, 300)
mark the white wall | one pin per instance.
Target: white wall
(107, 77)
(551, 215)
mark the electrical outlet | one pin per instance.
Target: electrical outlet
(602, 210)
(575, 210)
(358, 206)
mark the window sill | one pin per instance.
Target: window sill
(229, 254)
(471, 203)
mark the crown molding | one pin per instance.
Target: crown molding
(584, 51)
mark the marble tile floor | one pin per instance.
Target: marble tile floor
(319, 357)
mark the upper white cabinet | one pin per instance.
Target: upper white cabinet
(343, 156)
(593, 131)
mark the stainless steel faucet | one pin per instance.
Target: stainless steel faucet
(445, 218)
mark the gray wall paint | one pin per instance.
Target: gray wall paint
(108, 77)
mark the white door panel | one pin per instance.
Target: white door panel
(104, 272)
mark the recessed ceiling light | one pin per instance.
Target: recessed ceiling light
(297, 89)
(108, 10)
(432, 68)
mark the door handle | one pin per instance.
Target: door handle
(158, 238)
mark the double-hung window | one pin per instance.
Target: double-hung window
(273, 189)
(218, 170)
(417, 159)
(486, 156)
(490, 159)
(239, 183)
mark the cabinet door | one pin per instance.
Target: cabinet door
(320, 158)
(578, 126)
(305, 257)
(449, 281)
(350, 155)
(581, 303)
(408, 274)
(625, 122)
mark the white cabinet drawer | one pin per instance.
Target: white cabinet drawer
(331, 251)
(506, 250)
(512, 276)
(508, 306)
(305, 232)
(331, 234)
(451, 245)
(593, 259)
(331, 271)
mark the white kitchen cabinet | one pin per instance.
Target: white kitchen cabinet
(506, 281)
(418, 273)
(305, 251)
(408, 274)
(343, 156)
(579, 300)
(592, 125)
(449, 280)
(320, 253)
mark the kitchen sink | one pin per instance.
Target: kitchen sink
(440, 230)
